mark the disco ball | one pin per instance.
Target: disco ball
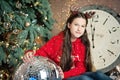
(40, 68)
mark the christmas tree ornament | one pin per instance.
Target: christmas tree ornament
(39, 40)
(36, 3)
(4, 74)
(11, 16)
(6, 25)
(14, 47)
(15, 31)
(40, 68)
(35, 46)
(18, 5)
(45, 18)
(27, 24)
(26, 41)
(7, 44)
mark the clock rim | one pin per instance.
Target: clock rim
(115, 15)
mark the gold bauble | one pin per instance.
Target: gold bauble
(4, 74)
(27, 24)
(38, 40)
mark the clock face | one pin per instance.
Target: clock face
(104, 34)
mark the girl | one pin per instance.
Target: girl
(70, 50)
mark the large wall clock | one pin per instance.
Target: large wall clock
(104, 34)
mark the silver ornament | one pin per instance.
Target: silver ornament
(40, 68)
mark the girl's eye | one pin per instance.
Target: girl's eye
(83, 26)
(79, 25)
(76, 24)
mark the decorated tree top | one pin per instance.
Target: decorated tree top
(24, 25)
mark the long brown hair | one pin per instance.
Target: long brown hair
(66, 61)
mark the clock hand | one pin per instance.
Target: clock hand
(93, 32)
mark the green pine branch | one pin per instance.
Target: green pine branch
(21, 22)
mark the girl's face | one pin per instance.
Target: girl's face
(77, 28)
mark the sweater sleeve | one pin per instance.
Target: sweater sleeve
(51, 48)
(47, 49)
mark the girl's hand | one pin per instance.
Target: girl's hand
(28, 56)
(61, 72)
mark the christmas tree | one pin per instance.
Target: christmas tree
(24, 25)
